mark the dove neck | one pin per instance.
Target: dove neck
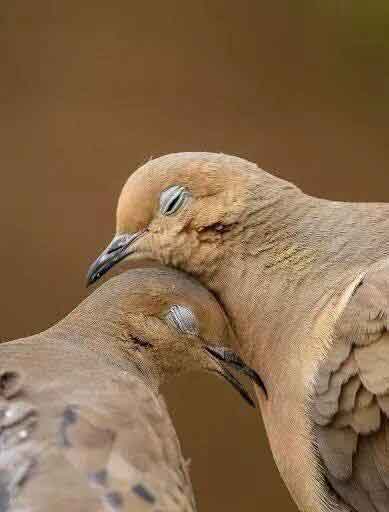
(299, 256)
(302, 237)
(99, 325)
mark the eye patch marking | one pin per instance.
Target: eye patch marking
(217, 227)
(142, 342)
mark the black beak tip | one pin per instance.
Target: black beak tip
(229, 357)
(93, 274)
(91, 279)
(101, 266)
(116, 251)
(239, 388)
(259, 382)
(251, 402)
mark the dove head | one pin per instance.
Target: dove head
(164, 322)
(185, 210)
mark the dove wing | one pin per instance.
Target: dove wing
(351, 399)
(76, 434)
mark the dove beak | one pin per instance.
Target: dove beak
(227, 358)
(120, 247)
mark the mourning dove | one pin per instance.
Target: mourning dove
(82, 425)
(305, 282)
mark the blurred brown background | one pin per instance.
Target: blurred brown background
(90, 90)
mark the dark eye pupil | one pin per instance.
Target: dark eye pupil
(173, 204)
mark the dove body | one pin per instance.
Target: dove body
(82, 424)
(300, 278)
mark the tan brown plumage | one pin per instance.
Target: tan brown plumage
(351, 399)
(82, 424)
(305, 284)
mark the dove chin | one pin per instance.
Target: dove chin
(121, 247)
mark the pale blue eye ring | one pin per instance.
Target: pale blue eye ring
(172, 199)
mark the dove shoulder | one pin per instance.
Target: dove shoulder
(350, 405)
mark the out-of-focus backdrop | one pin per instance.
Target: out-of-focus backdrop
(90, 90)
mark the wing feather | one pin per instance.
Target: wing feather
(64, 448)
(351, 401)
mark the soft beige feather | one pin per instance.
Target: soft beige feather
(82, 424)
(305, 283)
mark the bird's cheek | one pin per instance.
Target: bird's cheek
(160, 245)
(172, 248)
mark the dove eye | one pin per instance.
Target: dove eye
(183, 319)
(172, 199)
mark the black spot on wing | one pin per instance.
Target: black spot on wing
(10, 383)
(99, 477)
(143, 493)
(70, 417)
(114, 500)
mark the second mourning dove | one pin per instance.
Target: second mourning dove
(82, 426)
(305, 282)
